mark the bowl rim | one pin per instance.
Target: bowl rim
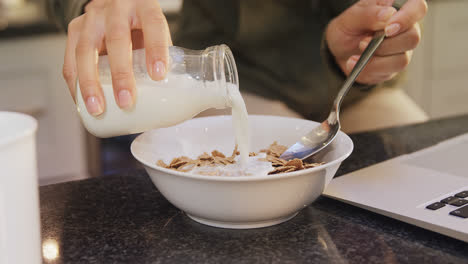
(244, 178)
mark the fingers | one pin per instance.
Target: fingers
(344, 33)
(380, 68)
(157, 38)
(69, 64)
(410, 13)
(365, 16)
(95, 4)
(351, 31)
(109, 27)
(119, 51)
(86, 61)
(400, 43)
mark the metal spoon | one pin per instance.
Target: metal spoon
(325, 133)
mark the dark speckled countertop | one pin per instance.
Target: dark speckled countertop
(122, 218)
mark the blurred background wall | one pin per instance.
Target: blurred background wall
(437, 78)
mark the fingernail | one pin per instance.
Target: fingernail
(365, 2)
(351, 63)
(125, 98)
(392, 29)
(385, 13)
(159, 71)
(93, 106)
(385, 2)
(363, 44)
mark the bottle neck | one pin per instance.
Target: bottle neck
(220, 68)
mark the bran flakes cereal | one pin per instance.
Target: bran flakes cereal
(273, 152)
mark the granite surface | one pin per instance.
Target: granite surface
(122, 218)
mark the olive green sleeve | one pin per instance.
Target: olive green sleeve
(61, 12)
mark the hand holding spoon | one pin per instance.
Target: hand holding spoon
(322, 135)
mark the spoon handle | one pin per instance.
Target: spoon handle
(360, 64)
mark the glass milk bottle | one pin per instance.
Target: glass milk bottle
(195, 81)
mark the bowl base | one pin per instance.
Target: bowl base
(242, 225)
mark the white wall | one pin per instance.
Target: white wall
(438, 75)
(31, 82)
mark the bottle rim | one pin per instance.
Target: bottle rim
(229, 64)
(228, 69)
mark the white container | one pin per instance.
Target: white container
(20, 241)
(196, 81)
(243, 201)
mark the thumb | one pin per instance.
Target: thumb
(366, 15)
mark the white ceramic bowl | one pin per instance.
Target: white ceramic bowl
(236, 202)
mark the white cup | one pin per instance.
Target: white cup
(20, 239)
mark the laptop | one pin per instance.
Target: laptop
(427, 188)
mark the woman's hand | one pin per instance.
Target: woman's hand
(115, 27)
(349, 34)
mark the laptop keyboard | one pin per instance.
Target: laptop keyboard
(435, 206)
(463, 194)
(449, 200)
(456, 200)
(462, 212)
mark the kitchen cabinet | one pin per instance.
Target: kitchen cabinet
(31, 82)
